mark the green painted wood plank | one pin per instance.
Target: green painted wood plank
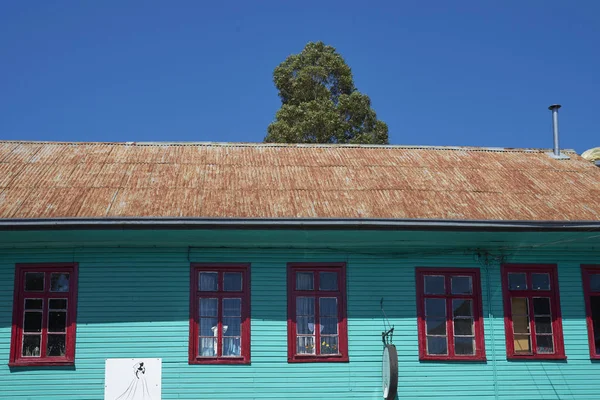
(142, 286)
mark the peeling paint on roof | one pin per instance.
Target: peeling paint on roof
(242, 180)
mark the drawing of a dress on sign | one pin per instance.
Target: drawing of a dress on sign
(133, 379)
(138, 388)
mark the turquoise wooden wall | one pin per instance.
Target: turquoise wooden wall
(134, 298)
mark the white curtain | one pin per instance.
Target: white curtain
(231, 345)
(305, 325)
(304, 281)
(208, 281)
(232, 330)
(208, 327)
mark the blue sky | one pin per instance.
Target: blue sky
(478, 73)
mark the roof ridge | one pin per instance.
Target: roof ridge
(296, 145)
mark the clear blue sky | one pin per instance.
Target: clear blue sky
(474, 72)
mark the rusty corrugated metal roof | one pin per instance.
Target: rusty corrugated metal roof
(230, 180)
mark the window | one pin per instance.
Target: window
(590, 275)
(450, 319)
(532, 312)
(317, 326)
(220, 314)
(44, 311)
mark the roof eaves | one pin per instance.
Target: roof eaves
(298, 223)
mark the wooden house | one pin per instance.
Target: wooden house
(261, 271)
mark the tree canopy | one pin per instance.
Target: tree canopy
(320, 103)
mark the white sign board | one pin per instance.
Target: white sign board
(132, 379)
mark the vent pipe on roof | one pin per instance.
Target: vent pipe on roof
(556, 151)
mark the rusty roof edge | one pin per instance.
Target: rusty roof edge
(292, 223)
(297, 145)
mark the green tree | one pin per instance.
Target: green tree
(320, 103)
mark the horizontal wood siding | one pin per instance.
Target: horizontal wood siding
(133, 302)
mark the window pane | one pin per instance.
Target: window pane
(463, 326)
(232, 347)
(543, 325)
(232, 326)
(207, 347)
(462, 285)
(305, 325)
(208, 326)
(329, 326)
(464, 346)
(435, 326)
(232, 307)
(328, 281)
(595, 305)
(329, 345)
(522, 344)
(462, 308)
(541, 306)
(305, 306)
(544, 344)
(595, 282)
(437, 345)
(34, 281)
(56, 346)
(305, 345)
(540, 281)
(59, 282)
(519, 306)
(207, 281)
(328, 307)
(34, 304)
(31, 345)
(517, 281)
(520, 324)
(33, 321)
(304, 281)
(232, 281)
(57, 321)
(57, 304)
(208, 307)
(435, 307)
(435, 284)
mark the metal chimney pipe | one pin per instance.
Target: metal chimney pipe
(554, 108)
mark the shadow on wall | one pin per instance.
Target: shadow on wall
(160, 292)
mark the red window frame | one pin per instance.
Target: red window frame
(19, 296)
(196, 294)
(475, 296)
(339, 294)
(586, 271)
(553, 294)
